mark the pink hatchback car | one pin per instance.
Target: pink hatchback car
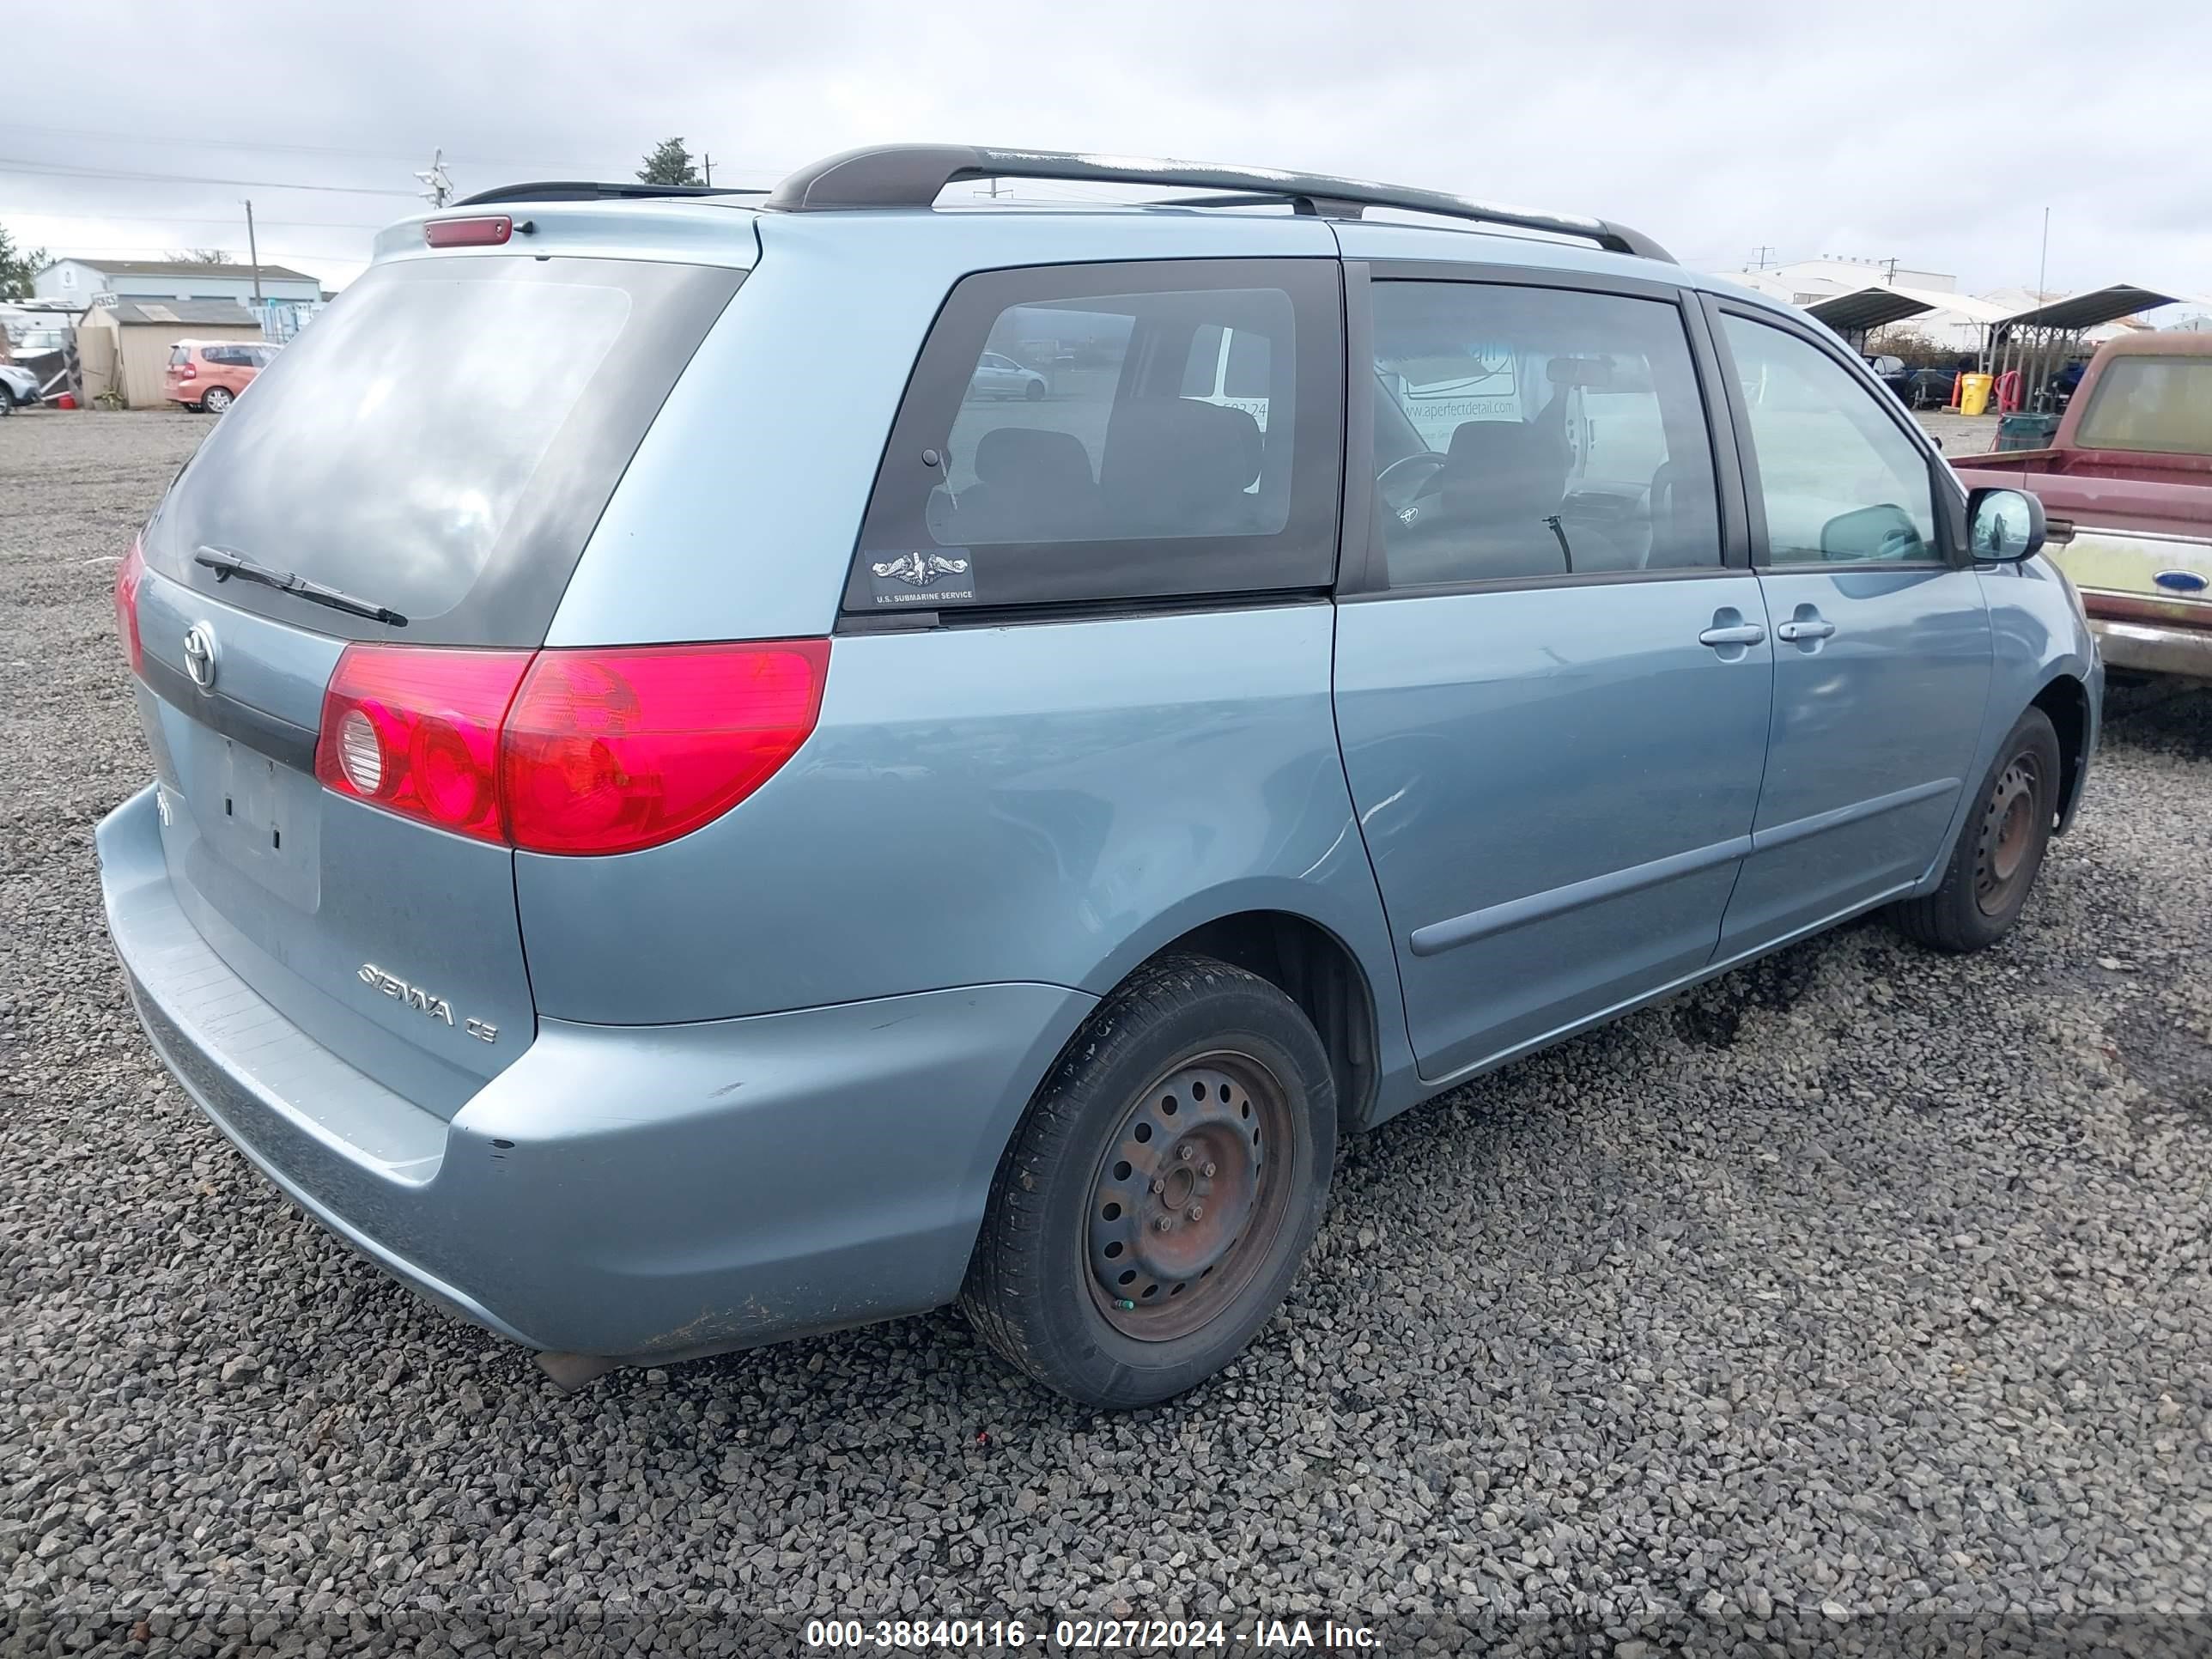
(210, 373)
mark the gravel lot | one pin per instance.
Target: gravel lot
(1861, 1284)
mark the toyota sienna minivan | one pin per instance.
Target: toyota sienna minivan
(681, 819)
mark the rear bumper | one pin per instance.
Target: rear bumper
(2153, 648)
(636, 1192)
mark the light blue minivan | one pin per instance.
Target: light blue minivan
(684, 816)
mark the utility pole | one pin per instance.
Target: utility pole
(1890, 268)
(2043, 259)
(708, 161)
(253, 253)
(437, 188)
(1758, 260)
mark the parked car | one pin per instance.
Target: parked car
(19, 388)
(2130, 471)
(210, 374)
(1892, 372)
(649, 923)
(997, 375)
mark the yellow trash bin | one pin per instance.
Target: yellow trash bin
(1974, 393)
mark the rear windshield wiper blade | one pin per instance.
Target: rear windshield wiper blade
(226, 565)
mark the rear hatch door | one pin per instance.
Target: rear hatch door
(439, 444)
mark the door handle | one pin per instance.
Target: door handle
(1816, 628)
(1736, 634)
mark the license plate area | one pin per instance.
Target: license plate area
(257, 816)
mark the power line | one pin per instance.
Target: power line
(168, 141)
(11, 164)
(132, 213)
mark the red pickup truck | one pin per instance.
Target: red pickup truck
(2131, 470)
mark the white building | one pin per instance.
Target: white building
(83, 281)
(1826, 275)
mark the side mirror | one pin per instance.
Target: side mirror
(2004, 526)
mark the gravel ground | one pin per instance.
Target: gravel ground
(1861, 1284)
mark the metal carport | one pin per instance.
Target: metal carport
(1859, 313)
(2039, 340)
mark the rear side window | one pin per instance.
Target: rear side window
(1523, 433)
(441, 441)
(2161, 405)
(1109, 432)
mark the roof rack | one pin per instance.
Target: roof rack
(912, 175)
(582, 190)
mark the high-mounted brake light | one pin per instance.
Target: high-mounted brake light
(568, 751)
(127, 578)
(485, 230)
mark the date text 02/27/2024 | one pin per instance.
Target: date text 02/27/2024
(1090, 1635)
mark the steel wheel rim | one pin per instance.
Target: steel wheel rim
(2007, 834)
(1212, 1135)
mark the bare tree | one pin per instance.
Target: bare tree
(202, 255)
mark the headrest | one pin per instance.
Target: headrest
(1029, 454)
(1181, 447)
(1505, 447)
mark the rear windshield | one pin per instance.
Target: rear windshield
(440, 441)
(2162, 406)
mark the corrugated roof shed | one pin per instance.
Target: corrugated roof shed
(229, 312)
(190, 268)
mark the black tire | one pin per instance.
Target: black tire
(211, 406)
(1037, 1289)
(2000, 848)
(1034, 393)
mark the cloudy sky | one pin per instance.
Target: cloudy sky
(1935, 134)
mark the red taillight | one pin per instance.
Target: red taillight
(416, 731)
(127, 578)
(185, 371)
(568, 751)
(608, 752)
(487, 231)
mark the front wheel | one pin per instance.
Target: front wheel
(2000, 847)
(1034, 392)
(1156, 1201)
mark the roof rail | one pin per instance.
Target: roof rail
(911, 175)
(582, 190)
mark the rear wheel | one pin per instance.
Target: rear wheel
(1156, 1201)
(217, 399)
(2000, 847)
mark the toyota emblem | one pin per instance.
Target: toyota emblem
(199, 655)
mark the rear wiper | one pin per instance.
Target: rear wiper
(226, 565)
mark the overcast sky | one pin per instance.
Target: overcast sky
(1935, 134)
